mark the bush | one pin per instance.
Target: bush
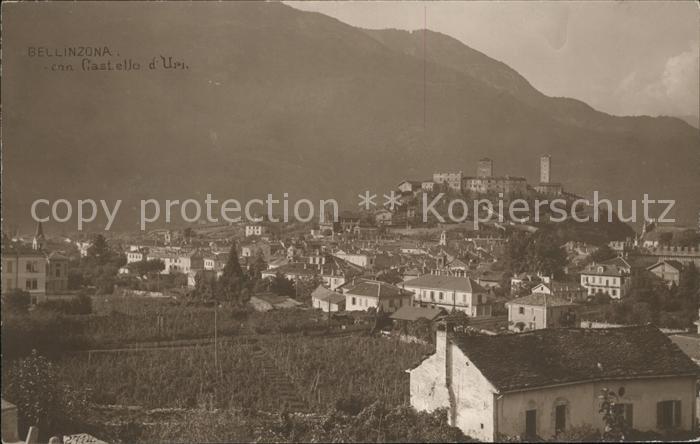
(31, 385)
(78, 305)
(17, 301)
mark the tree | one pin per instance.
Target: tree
(232, 280)
(603, 254)
(99, 251)
(32, 385)
(16, 301)
(145, 267)
(282, 286)
(613, 415)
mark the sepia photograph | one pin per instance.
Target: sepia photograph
(357, 221)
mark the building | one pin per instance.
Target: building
(508, 185)
(484, 168)
(327, 300)
(410, 186)
(541, 310)
(255, 230)
(360, 259)
(365, 294)
(24, 269)
(450, 292)
(612, 278)
(668, 271)
(452, 181)
(546, 186)
(57, 274)
(571, 291)
(539, 383)
(270, 301)
(255, 249)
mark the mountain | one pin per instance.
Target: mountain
(691, 119)
(279, 100)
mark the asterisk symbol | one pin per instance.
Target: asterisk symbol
(367, 200)
(392, 200)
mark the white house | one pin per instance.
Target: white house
(612, 278)
(255, 230)
(365, 294)
(450, 292)
(327, 300)
(538, 383)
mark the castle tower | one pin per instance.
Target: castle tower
(545, 168)
(484, 168)
(39, 240)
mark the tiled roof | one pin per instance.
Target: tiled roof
(407, 313)
(323, 294)
(554, 356)
(537, 300)
(375, 289)
(455, 283)
(673, 263)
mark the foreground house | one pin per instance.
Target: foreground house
(537, 383)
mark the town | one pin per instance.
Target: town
(513, 331)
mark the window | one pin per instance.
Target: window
(668, 414)
(354, 301)
(560, 418)
(627, 411)
(432, 295)
(440, 295)
(614, 292)
(31, 284)
(9, 266)
(530, 423)
(31, 267)
(521, 310)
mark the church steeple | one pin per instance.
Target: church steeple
(39, 239)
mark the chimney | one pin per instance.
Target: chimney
(443, 334)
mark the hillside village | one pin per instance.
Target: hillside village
(511, 330)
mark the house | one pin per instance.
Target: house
(365, 294)
(668, 271)
(360, 259)
(57, 274)
(255, 249)
(255, 230)
(327, 300)
(25, 269)
(409, 186)
(270, 301)
(571, 291)
(538, 383)
(383, 217)
(541, 310)
(452, 181)
(612, 278)
(427, 185)
(450, 292)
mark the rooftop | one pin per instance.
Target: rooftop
(554, 356)
(454, 283)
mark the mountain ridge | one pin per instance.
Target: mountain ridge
(302, 103)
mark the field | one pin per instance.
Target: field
(311, 372)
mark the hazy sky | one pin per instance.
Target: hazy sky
(631, 57)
